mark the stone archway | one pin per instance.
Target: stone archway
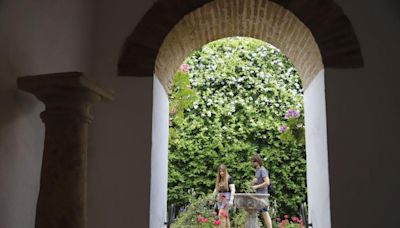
(169, 32)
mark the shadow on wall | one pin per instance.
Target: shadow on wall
(13, 101)
(13, 56)
(397, 3)
(21, 148)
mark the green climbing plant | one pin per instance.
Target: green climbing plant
(230, 104)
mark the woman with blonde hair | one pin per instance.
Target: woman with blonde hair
(225, 191)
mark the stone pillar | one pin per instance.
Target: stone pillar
(252, 219)
(68, 98)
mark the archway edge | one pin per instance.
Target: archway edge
(329, 26)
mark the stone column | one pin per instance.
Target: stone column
(68, 98)
(252, 219)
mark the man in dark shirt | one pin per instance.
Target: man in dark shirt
(260, 185)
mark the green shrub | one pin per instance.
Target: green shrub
(200, 212)
(243, 88)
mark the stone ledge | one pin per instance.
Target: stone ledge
(72, 80)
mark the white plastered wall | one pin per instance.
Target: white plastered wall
(317, 153)
(35, 38)
(363, 121)
(121, 134)
(53, 36)
(159, 156)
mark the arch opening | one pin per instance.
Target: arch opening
(242, 89)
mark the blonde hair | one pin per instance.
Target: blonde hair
(222, 184)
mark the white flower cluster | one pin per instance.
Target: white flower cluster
(231, 78)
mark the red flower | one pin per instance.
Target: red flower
(217, 223)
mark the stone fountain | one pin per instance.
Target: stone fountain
(251, 202)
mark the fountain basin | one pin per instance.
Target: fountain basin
(251, 202)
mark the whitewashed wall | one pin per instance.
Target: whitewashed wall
(159, 156)
(363, 120)
(36, 37)
(317, 153)
(121, 134)
(52, 36)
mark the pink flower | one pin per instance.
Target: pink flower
(286, 216)
(283, 223)
(184, 67)
(214, 213)
(282, 128)
(292, 113)
(295, 219)
(278, 219)
(224, 214)
(199, 218)
(217, 222)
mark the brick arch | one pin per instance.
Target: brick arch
(262, 20)
(312, 33)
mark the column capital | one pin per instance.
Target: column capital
(67, 95)
(40, 84)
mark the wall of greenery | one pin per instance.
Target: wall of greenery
(230, 105)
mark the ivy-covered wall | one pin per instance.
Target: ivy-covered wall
(237, 94)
